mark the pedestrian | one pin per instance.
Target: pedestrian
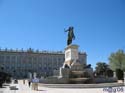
(29, 82)
(24, 81)
(35, 83)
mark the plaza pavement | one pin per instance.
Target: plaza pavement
(24, 88)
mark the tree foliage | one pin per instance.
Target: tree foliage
(119, 74)
(101, 68)
(109, 73)
(117, 60)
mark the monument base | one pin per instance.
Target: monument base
(73, 71)
(71, 55)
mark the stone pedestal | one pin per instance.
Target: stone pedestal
(71, 55)
(64, 72)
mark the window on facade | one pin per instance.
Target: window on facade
(29, 60)
(49, 68)
(35, 59)
(7, 58)
(30, 66)
(45, 68)
(45, 59)
(63, 59)
(1, 58)
(13, 58)
(19, 59)
(49, 59)
(54, 59)
(50, 64)
(59, 59)
(39, 60)
(45, 64)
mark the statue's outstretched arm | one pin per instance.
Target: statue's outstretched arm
(66, 30)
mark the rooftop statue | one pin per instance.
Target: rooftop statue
(71, 35)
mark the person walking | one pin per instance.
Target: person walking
(29, 82)
(35, 83)
(23, 81)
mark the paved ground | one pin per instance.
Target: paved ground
(24, 88)
(100, 85)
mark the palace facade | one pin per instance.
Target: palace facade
(19, 63)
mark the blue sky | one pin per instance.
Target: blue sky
(99, 25)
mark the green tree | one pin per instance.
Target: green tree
(117, 60)
(101, 68)
(119, 74)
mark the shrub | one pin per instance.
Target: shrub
(119, 74)
(109, 73)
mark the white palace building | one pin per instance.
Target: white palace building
(19, 63)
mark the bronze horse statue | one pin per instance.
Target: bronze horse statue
(71, 35)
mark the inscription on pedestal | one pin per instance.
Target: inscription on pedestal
(67, 54)
(74, 54)
(71, 53)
